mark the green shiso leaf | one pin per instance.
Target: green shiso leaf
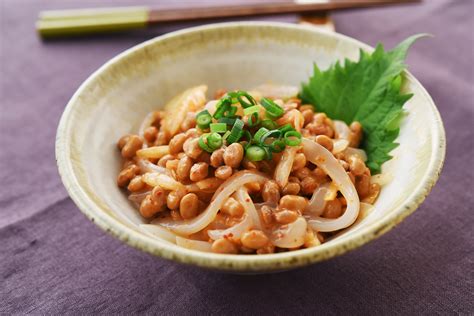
(367, 91)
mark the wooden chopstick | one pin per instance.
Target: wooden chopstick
(87, 21)
(301, 6)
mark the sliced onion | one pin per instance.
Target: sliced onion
(164, 181)
(277, 91)
(318, 201)
(238, 180)
(292, 117)
(193, 244)
(138, 197)
(211, 106)
(298, 120)
(271, 204)
(342, 130)
(321, 157)
(177, 108)
(283, 169)
(147, 166)
(357, 152)
(146, 123)
(291, 235)
(381, 179)
(339, 145)
(235, 231)
(158, 231)
(250, 218)
(209, 184)
(331, 193)
(244, 198)
(155, 152)
(365, 210)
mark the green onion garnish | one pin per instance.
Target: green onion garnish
(230, 111)
(226, 134)
(246, 134)
(233, 96)
(220, 111)
(269, 124)
(255, 153)
(214, 141)
(218, 127)
(246, 139)
(203, 112)
(273, 110)
(258, 135)
(251, 110)
(286, 128)
(270, 134)
(253, 119)
(268, 139)
(278, 146)
(203, 143)
(203, 119)
(292, 138)
(249, 99)
(236, 131)
(222, 106)
(227, 120)
(268, 153)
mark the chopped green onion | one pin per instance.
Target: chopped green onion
(244, 103)
(245, 99)
(230, 111)
(233, 96)
(277, 146)
(251, 110)
(222, 106)
(253, 119)
(220, 111)
(268, 153)
(203, 143)
(234, 139)
(286, 128)
(226, 134)
(273, 110)
(227, 120)
(255, 153)
(248, 139)
(246, 134)
(292, 138)
(203, 119)
(273, 134)
(236, 131)
(258, 135)
(269, 124)
(218, 127)
(214, 141)
(203, 112)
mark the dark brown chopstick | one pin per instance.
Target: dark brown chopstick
(87, 21)
(227, 11)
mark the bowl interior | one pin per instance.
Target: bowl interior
(115, 99)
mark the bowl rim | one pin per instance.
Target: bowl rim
(267, 262)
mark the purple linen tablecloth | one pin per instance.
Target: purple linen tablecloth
(54, 261)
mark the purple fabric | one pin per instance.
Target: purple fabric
(54, 261)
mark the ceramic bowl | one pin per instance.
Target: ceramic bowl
(114, 100)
